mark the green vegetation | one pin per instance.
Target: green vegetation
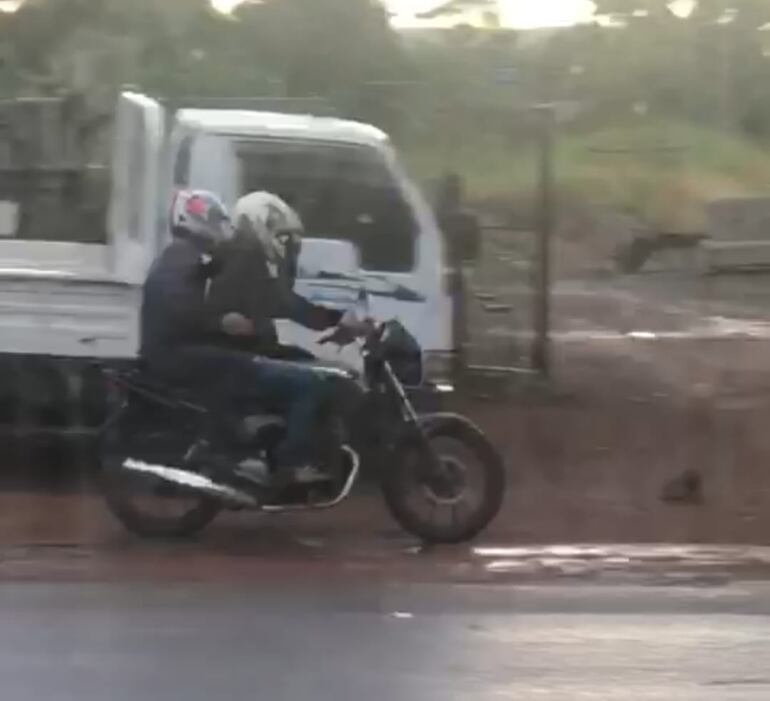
(669, 111)
(662, 171)
(672, 111)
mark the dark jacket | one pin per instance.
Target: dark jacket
(173, 311)
(244, 284)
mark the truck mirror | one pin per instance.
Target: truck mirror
(460, 227)
(463, 232)
(449, 194)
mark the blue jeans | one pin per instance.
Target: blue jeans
(236, 383)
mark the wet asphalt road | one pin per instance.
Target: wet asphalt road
(84, 642)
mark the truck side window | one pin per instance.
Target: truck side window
(182, 163)
(340, 191)
(383, 228)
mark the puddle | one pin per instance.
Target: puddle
(589, 559)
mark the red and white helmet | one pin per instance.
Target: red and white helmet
(200, 215)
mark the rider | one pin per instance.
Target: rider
(258, 272)
(183, 342)
(173, 314)
(259, 266)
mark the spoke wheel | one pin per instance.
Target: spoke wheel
(455, 497)
(154, 508)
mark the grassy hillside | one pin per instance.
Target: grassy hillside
(662, 171)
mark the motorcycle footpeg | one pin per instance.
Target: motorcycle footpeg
(297, 497)
(193, 481)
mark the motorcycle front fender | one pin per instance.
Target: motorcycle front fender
(451, 425)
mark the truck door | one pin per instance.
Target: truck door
(134, 206)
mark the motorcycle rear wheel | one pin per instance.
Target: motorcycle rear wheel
(127, 497)
(416, 499)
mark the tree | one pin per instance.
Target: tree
(710, 63)
(488, 10)
(628, 10)
(46, 39)
(344, 50)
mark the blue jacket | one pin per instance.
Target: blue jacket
(244, 284)
(173, 309)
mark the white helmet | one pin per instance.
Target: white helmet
(275, 224)
(200, 215)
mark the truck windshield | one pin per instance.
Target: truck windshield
(341, 191)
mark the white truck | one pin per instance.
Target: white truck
(65, 302)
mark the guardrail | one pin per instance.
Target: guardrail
(733, 256)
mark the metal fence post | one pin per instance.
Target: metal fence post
(541, 351)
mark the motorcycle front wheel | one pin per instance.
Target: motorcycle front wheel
(455, 497)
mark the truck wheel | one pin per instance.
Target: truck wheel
(44, 391)
(9, 392)
(93, 398)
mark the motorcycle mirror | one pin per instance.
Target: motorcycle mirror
(362, 307)
(350, 318)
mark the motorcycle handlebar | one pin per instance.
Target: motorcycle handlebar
(345, 334)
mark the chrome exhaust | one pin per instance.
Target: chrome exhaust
(192, 480)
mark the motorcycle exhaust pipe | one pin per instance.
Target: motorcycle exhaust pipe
(192, 480)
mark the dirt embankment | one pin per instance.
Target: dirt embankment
(588, 460)
(627, 414)
(587, 457)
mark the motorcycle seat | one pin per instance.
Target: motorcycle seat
(138, 379)
(146, 383)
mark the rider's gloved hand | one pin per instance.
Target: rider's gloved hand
(349, 328)
(235, 324)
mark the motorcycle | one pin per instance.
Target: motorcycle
(440, 477)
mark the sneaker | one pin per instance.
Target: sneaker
(307, 474)
(253, 470)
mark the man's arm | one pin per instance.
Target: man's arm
(246, 286)
(295, 307)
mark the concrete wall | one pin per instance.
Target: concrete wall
(739, 219)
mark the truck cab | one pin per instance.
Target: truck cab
(348, 186)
